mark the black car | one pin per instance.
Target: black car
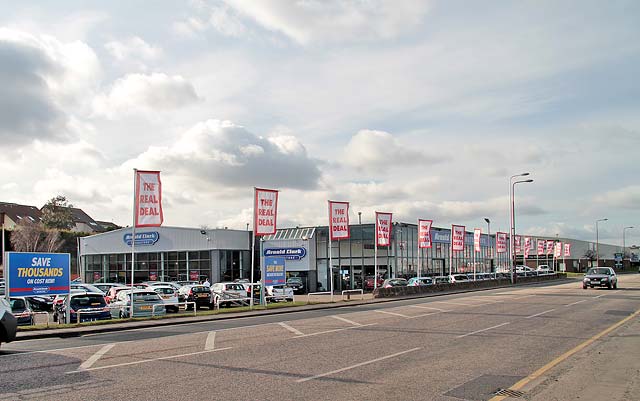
(295, 283)
(21, 310)
(200, 294)
(41, 303)
(92, 305)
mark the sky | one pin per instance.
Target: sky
(420, 108)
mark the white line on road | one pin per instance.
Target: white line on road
(209, 345)
(334, 330)
(162, 358)
(392, 313)
(577, 302)
(291, 329)
(346, 320)
(424, 314)
(523, 297)
(480, 331)
(427, 307)
(452, 303)
(541, 313)
(94, 358)
(357, 365)
(600, 296)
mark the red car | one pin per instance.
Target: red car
(113, 292)
(368, 282)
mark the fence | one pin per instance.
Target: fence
(164, 305)
(349, 292)
(318, 293)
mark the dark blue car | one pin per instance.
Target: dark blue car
(91, 305)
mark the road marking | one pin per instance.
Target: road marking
(577, 302)
(541, 313)
(392, 313)
(424, 314)
(452, 303)
(523, 382)
(162, 358)
(525, 296)
(480, 331)
(94, 358)
(346, 320)
(209, 345)
(335, 330)
(291, 329)
(427, 307)
(357, 365)
(600, 296)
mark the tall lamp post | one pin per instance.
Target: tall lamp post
(597, 242)
(624, 250)
(512, 185)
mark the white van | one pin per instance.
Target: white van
(8, 323)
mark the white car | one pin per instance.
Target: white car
(169, 295)
(8, 323)
(458, 278)
(228, 293)
(279, 293)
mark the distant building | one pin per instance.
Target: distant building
(83, 223)
(14, 214)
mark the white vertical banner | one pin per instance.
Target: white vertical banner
(549, 246)
(265, 211)
(567, 249)
(477, 234)
(383, 228)
(424, 233)
(148, 199)
(501, 242)
(338, 220)
(517, 241)
(527, 246)
(540, 250)
(557, 252)
(457, 238)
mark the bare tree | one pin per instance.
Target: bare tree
(29, 236)
(52, 241)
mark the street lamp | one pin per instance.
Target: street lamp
(624, 251)
(597, 242)
(359, 217)
(513, 217)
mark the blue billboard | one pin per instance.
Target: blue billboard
(38, 273)
(274, 271)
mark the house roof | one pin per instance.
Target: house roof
(79, 216)
(18, 212)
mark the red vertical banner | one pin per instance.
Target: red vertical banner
(383, 228)
(540, 243)
(338, 220)
(527, 246)
(501, 242)
(265, 211)
(457, 238)
(567, 250)
(549, 246)
(424, 233)
(148, 199)
(517, 243)
(477, 234)
(557, 252)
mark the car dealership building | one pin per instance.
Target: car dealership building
(180, 254)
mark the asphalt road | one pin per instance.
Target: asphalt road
(464, 346)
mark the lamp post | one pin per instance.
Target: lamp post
(359, 217)
(624, 250)
(489, 241)
(513, 219)
(597, 242)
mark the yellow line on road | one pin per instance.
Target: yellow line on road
(523, 382)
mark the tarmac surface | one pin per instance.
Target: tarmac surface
(543, 342)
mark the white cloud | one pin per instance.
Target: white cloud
(335, 20)
(380, 151)
(145, 94)
(220, 152)
(221, 18)
(133, 50)
(623, 198)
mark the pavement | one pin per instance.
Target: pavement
(534, 342)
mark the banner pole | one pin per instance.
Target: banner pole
(133, 238)
(375, 256)
(253, 249)
(330, 253)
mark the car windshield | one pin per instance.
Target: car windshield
(87, 301)
(200, 288)
(295, 280)
(598, 271)
(164, 290)
(145, 296)
(235, 287)
(18, 304)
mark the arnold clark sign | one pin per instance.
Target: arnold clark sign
(38, 273)
(295, 253)
(143, 238)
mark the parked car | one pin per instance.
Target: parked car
(169, 295)
(41, 303)
(277, 293)
(296, 284)
(198, 293)
(85, 287)
(105, 287)
(92, 305)
(369, 283)
(458, 278)
(420, 281)
(21, 310)
(395, 282)
(227, 294)
(600, 277)
(175, 285)
(8, 322)
(144, 302)
(441, 280)
(189, 282)
(113, 293)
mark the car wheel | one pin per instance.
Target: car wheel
(584, 287)
(615, 286)
(121, 315)
(609, 286)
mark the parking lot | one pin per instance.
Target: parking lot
(464, 346)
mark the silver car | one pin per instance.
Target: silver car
(144, 304)
(600, 277)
